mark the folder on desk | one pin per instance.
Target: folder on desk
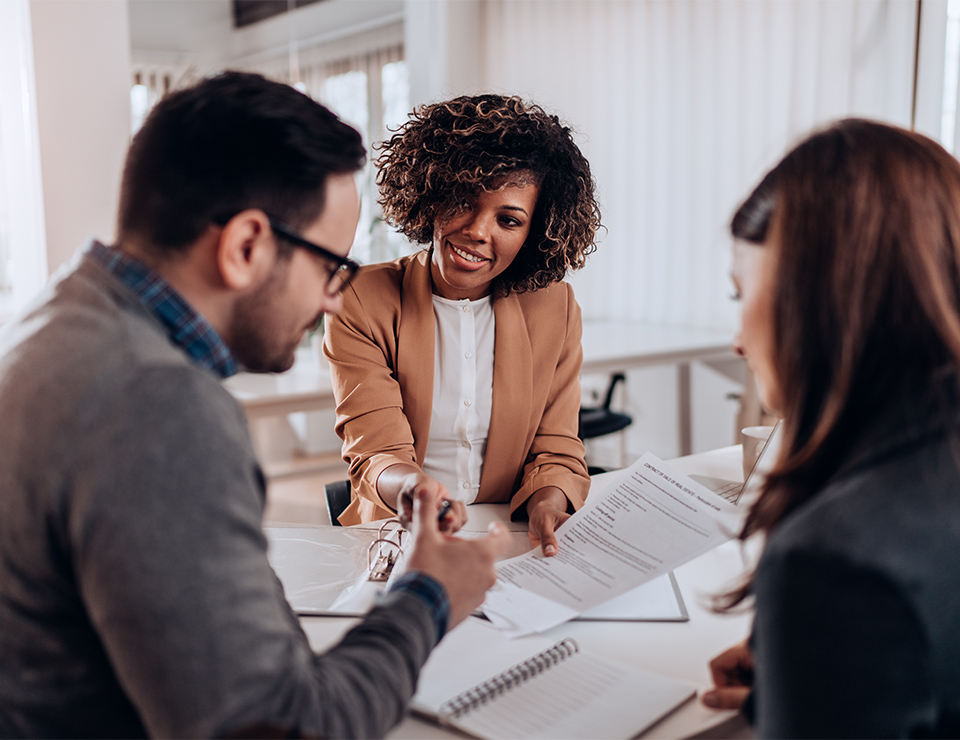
(335, 571)
(341, 571)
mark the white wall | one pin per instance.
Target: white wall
(680, 107)
(188, 32)
(444, 48)
(82, 66)
(930, 68)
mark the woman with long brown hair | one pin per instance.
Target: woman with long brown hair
(847, 265)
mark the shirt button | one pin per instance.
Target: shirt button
(467, 402)
(464, 484)
(465, 443)
(466, 309)
(467, 355)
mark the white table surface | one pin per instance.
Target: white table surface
(617, 345)
(263, 394)
(677, 649)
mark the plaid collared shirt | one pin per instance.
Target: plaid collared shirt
(186, 328)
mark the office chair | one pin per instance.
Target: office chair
(338, 496)
(601, 420)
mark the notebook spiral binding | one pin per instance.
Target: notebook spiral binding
(508, 679)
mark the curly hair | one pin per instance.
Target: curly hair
(449, 152)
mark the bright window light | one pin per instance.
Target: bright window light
(6, 262)
(139, 106)
(951, 69)
(396, 94)
(347, 95)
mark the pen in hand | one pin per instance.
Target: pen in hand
(441, 512)
(444, 510)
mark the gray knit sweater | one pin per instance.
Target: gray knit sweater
(135, 593)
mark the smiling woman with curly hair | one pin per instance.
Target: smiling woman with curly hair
(449, 152)
(505, 201)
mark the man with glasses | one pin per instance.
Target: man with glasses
(135, 593)
(342, 269)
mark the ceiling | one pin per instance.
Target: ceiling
(189, 28)
(246, 12)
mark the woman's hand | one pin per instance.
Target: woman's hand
(732, 673)
(399, 485)
(547, 510)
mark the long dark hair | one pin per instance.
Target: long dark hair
(866, 218)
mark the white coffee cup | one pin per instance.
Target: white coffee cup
(753, 439)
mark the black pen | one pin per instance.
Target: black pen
(444, 510)
(441, 513)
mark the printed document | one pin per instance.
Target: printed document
(650, 521)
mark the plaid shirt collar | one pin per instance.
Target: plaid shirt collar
(186, 328)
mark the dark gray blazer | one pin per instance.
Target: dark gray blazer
(135, 592)
(857, 630)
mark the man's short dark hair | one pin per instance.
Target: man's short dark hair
(231, 142)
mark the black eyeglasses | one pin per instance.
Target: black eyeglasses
(340, 276)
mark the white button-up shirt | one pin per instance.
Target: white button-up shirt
(462, 395)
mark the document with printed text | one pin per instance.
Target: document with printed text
(651, 520)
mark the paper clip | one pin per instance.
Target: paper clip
(383, 552)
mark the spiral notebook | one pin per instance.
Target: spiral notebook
(488, 686)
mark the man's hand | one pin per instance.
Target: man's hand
(463, 567)
(547, 510)
(732, 673)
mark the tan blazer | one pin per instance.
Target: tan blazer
(381, 352)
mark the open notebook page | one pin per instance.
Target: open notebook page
(582, 695)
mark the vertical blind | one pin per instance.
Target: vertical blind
(680, 106)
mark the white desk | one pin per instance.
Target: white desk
(608, 346)
(263, 395)
(678, 649)
(617, 346)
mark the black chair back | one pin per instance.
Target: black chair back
(338, 497)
